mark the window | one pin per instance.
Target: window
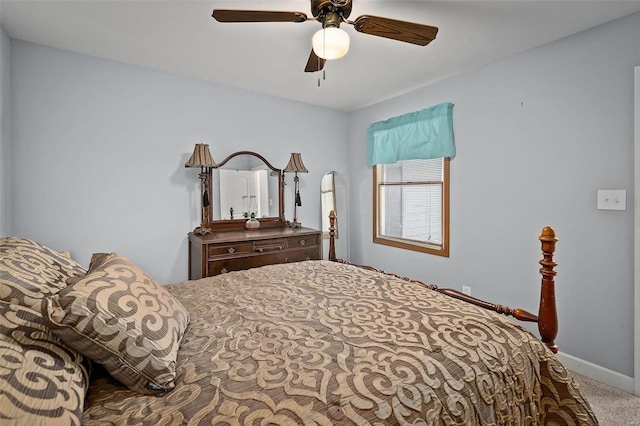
(410, 157)
(411, 205)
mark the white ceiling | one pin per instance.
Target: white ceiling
(181, 37)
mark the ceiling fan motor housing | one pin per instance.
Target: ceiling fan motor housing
(319, 8)
(331, 20)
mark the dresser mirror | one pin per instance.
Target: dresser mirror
(333, 196)
(243, 182)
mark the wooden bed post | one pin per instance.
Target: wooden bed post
(547, 315)
(332, 235)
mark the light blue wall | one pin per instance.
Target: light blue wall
(536, 135)
(5, 135)
(102, 147)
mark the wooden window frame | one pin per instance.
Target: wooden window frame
(438, 250)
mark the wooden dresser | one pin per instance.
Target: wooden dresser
(225, 251)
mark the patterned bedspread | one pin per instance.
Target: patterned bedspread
(323, 343)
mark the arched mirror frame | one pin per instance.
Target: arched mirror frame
(230, 224)
(333, 196)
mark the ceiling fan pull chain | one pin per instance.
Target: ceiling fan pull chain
(323, 77)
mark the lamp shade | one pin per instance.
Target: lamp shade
(201, 157)
(330, 43)
(295, 164)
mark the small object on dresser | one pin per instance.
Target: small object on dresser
(252, 224)
(245, 206)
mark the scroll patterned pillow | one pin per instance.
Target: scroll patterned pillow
(97, 259)
(42, 381)
(120, 317)
(29, 271)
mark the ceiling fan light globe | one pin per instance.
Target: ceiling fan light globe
(330, 43)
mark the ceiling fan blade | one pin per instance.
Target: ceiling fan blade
(315, 63)
(232, 15)
(409, 32)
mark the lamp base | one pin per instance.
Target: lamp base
(202, 230)
(294, 224)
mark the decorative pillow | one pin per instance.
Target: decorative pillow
(29, 272)
(120, 317)
(42, 381)
(97, 259)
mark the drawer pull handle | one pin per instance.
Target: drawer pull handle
(223, 271)
(302, 242)
(231, 250)
(260, 249)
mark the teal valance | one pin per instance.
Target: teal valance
(416, 135)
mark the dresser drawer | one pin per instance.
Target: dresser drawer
(263, 246)
(217, 250)
(310, 253)
(222, 266)
(227, 265)
(302, 241)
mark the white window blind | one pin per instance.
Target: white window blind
(411, 200)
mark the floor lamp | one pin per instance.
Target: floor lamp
(297, 166)
(201, 157)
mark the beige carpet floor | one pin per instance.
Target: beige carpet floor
(611, 406)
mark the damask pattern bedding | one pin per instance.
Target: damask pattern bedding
(41, 381)
(322, 343)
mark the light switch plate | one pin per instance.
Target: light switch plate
(612, 199)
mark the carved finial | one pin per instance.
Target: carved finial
(332, 235)
(548, 317)
(548, 231)
(548, 241)
(548, 236)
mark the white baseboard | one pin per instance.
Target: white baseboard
(596, 372)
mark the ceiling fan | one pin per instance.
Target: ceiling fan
(331, 42)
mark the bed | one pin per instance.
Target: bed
(313, 343)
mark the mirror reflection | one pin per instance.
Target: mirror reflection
(245, 183)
